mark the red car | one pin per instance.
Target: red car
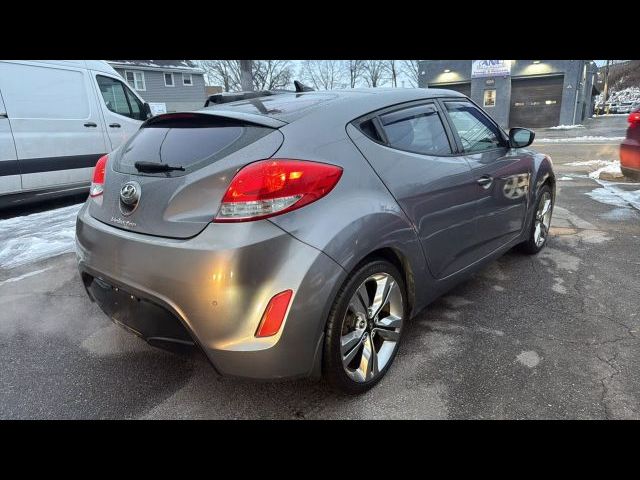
(630, 148)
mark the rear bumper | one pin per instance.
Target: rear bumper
(630, 158)
(214, 288)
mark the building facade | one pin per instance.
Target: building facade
(519, 93)
(168, 85)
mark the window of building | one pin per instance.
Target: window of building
(135, 79)
(187, 79)
(168, 80)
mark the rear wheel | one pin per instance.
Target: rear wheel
(541, 222)
(364, 327)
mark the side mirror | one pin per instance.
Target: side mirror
(521, 137)
(147, 110)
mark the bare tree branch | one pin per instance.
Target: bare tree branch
(355, 69)
(410, 69)
(374, 72)
(323, 74)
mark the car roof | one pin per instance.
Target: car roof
(289, 107)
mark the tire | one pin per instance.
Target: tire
(533, 245)
(366, 335)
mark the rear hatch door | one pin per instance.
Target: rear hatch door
(211, 148)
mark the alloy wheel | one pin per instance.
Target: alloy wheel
(543, 219)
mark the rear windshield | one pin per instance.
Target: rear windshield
(187, 146)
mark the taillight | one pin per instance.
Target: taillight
(634, 118)
(272, 187)
(97, 182)
(274, 314)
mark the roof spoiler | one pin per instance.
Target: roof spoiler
(226, 97)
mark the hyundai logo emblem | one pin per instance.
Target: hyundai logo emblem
(129, 197)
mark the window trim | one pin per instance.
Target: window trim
(173, 80)
(190, 79)
(458, 140)
(144, 81)
(375, 117)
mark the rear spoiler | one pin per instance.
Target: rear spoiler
(226, 97)
(211, 118)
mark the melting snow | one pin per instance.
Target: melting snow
(584, 139)
(612, 168)
(31, 238)
(566, 127)
(589, 163)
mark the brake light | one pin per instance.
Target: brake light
(272, 187)
(634, 118)
(97, 182)
(274, 314)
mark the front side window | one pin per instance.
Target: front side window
(168, 80)
(416, 129)
(187, 79)
(135, 79)
(475, 130)
(119, 99)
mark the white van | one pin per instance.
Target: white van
(57, 117)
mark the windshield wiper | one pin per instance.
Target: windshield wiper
(152, 167)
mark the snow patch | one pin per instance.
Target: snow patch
(566, 127)
(584, 139)
(565, 179)
(34, 237)
(589, 163)
(612, 168)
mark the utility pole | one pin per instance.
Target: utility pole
(246, 76)
(606, 83)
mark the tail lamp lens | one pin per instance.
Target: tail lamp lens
(634, 118)
(97, 182)
(272, 187)
(274, 314)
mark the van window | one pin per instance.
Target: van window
(119, 99)
(44, 92)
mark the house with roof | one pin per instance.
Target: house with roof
(168, 85)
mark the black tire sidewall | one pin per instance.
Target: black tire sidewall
(332, 368)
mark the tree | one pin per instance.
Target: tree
(411, 70)
(322, 74)
(222, 72)
(391, 67)
(355, 70)
(374, 72)
(271, 74)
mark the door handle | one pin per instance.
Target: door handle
(90, 124)
(485, 181)
(114, 125)
(3, 115)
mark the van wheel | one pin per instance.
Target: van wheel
(364, 327)
(540, 223)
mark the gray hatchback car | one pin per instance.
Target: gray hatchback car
(296, 234)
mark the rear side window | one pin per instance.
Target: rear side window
(119, 98)
(416, 129)
(475, 130)
(191, 145)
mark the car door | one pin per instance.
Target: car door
(501, 175)
(55, 122)
(122, 110)
(9, 172)
(411, 150)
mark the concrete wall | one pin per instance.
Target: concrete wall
(575, 83)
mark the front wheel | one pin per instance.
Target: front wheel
(364, 327)
(541, 223)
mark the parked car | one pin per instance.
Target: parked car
(630, 147)
(625, 107)
(56, 119)
(297, 234)
(611, 107)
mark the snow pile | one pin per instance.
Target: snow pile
(612, 169)
(610, 194)
(585, 139)
(566, 127)
(630, 94)
(31, 238)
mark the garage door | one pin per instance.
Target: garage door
(464, 88)
(535, 102)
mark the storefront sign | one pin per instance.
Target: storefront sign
(490, 68)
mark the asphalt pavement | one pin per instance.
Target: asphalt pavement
(552, 336)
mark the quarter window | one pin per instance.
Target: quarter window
(187, 79)
(168, 80)
(135, 79)
(119, 99)
(416, 129)
(475, 130)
